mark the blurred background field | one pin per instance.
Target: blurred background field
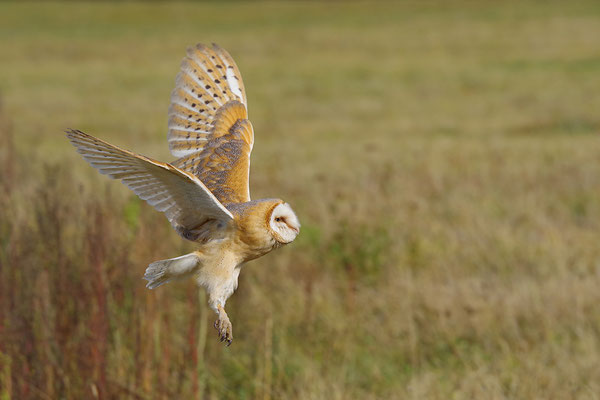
(444, 160)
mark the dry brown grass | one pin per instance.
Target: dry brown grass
(444, 161)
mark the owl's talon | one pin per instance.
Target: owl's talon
(224, 328)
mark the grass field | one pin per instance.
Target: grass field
(444, 160)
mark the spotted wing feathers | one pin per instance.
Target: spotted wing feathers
(184, 199)
(208, 125)
(208, 80)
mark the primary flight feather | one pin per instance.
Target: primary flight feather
(205, 193)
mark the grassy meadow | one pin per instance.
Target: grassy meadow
(444, 160)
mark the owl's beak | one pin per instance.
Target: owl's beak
(295, 229)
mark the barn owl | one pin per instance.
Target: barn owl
(205, 192)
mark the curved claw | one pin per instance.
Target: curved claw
(224, 328)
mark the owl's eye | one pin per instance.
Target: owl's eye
(277, 219)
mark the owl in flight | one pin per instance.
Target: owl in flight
(205, 192)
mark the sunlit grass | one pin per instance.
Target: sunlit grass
(444, 161)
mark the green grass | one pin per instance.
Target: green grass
(444, 161)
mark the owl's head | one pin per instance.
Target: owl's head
(284, 224)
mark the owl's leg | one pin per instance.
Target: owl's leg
(220, 280)
(223, 326)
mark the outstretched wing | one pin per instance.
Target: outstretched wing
(190, 207)
(208, 123)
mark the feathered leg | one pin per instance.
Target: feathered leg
(219, 275)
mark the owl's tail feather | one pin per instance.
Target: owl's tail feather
(163, 271)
